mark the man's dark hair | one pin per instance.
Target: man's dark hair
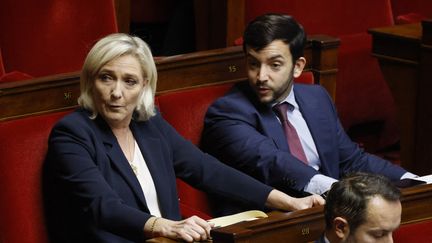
(349, 197)
(270, 27)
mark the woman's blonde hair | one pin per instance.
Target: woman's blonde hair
(108, 49)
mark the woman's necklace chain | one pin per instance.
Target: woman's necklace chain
(130, 153)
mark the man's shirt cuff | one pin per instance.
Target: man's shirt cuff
(319, 184)
(408, 175)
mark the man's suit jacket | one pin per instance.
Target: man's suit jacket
(322, 239)
(245, 134)
(92, 194)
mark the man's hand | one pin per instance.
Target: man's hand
(281, 201)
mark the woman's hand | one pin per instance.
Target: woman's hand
(190, 229)
(280, 200)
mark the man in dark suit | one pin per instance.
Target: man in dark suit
(302, 148)
(362, 208)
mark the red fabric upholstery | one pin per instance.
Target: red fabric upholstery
(52, 36)
(418, 233)
(11, 76)
(362, 95)
(363, 98)
(2, 70)
(411, 11)
(23, 145)
(192, 201)
(332, 17)
(14, 76)
(409, 18)
(185, 111)
(305, 78)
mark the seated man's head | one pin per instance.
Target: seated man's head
(362, 208)
(274, 45)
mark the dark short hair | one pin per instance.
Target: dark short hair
(349, 197)
(267, 28)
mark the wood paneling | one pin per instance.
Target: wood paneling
(404, 53)
(307, 225)
(59, 92)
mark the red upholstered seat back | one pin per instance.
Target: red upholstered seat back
(14, 76)
(185, 111)
(411, 11)
(11, 76)
(2, 71)
(306, 78)
(331, 17)
(363, 98)
(52, 36)
(417, 232)
(23, 144)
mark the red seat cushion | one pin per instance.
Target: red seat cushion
(362, 94)
(50, 36)
(185, 111)
(411, 11)
(14, 76)
(23, 144)
(192, 201)
(11, 76)
(409, 18)
(331, 17)
(2, 70)
(417, 232)
(305, 78)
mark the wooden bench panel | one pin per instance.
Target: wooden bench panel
(307, 225)
(60, 92)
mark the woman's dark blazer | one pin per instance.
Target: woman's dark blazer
(92, 194)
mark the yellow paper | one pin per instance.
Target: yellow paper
(239, 217)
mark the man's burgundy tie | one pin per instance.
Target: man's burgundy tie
(290, 132)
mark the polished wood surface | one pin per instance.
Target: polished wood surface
(416, 204)
(299, 226)
(60, 92)
(404, 53)
(308, 225)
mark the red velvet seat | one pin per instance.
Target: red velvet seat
(416, 232)
(47, 37)
(23, 144)
(411, 11)
(2, 71)
(11, 76)
(362, 94)
(185, 110)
